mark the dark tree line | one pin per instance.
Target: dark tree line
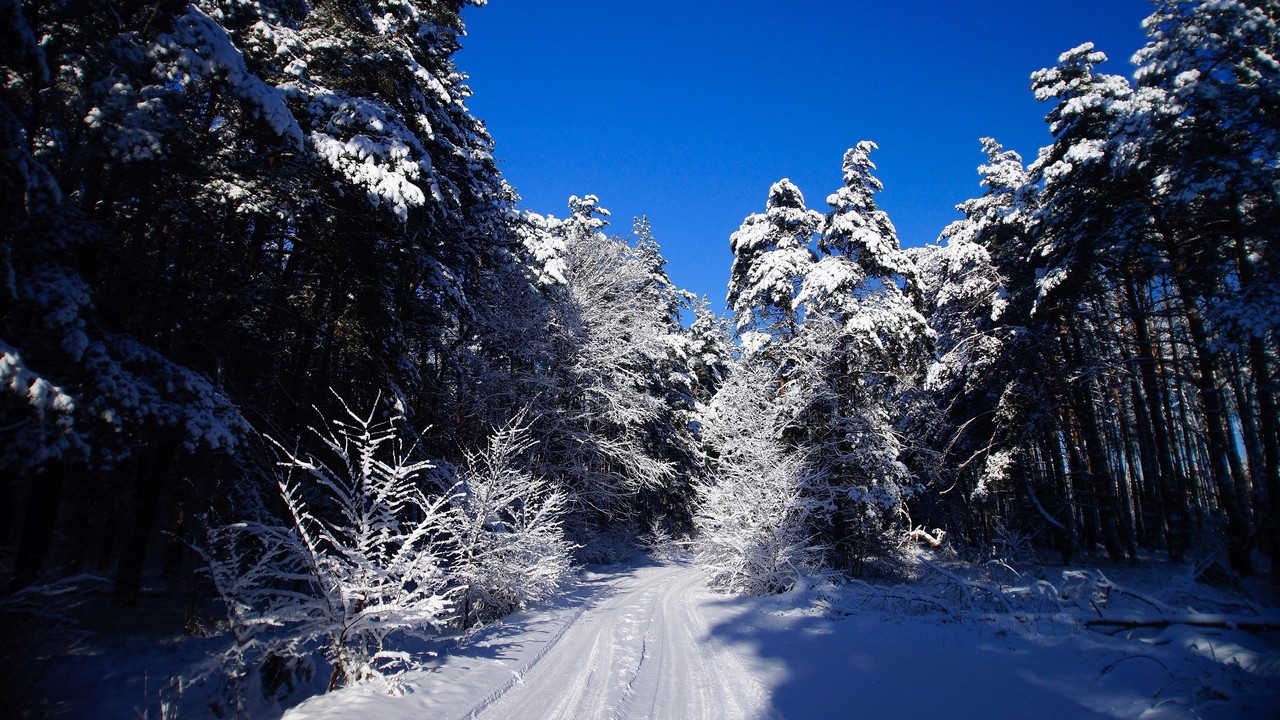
(1108, 315)
(218, 214)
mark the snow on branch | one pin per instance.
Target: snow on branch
(204, 48)
(42, 395)
(512, 549)
(365, 553)
(362, 554)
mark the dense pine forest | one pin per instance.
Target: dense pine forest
(274, 330)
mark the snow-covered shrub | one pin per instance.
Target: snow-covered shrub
(756, 510)
(363, 553)
(511, 547)
(1012, 545)
(753, 525)
(660, 543)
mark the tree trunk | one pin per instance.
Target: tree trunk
(1067, 537)
(148, 486)
(1218, 440)
(1268, 417)
(44, 497)
(1173, 502)
(1269, 425)
(1095, 468)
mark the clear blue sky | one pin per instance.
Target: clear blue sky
(688, 111)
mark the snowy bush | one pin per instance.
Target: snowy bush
(660, 543)
(511, 547)
(756, 510)
(753, 526)
(363, 554)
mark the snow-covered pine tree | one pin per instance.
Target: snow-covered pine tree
(844, 342)
(1206, 142)
(1089, 217)
(614, 342)
(967, 303)
(710, 339)
(92, 408)
(245, 203)
(673, 381)
(756, 508)
(771, 257)
(861, 359)
(985, 378)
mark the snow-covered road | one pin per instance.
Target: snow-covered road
(628, 643)
(652, 641)
(644, 651)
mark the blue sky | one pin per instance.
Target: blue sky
(688, 111)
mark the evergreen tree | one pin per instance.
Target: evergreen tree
(229, 207)
(844, 344)
(1206, 145)
(771, 257)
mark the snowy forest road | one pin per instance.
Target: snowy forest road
(652, 641)
(643, 650)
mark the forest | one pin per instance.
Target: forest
(274, 331)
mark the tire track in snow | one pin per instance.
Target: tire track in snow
(644, 652)
(518, 675)
(698, 676)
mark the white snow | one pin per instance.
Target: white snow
(204, 48)
(18, 379)
(646, 640)
(651, 641)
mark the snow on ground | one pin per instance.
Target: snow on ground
(638, 646)
(651, 641)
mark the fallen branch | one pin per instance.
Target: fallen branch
(968, 586)
(932, 540)
(1105, 583)
(885, 593)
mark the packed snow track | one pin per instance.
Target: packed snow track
(642, 651)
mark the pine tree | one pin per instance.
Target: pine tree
(844, 343)
(232, 206)
(126, 408)
(863, 352)
(771, 257)
(1206, 144)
